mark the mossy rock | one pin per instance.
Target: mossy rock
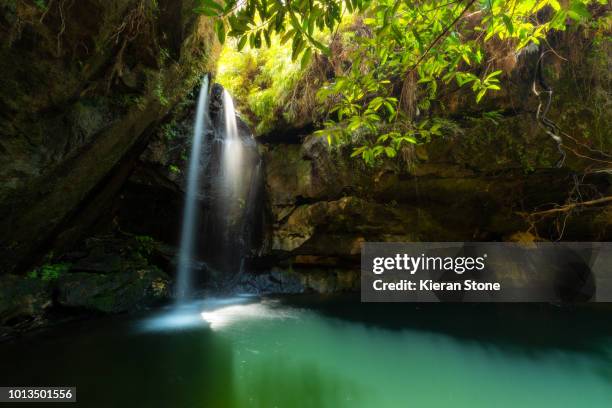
(114, 292)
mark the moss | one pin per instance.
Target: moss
(41, 4)
(104, 303)
(510, 142)
(49, 271)
(144, 244)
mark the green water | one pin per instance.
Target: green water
(326, 353)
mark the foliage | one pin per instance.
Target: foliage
(593, 96)
(170, 130)
(144, 244)
(158, 90)
(444, 45)
(41, 4)
(267, 80)
(421, 45)
(272, 90)
(161, 96)
(261, 81)
(255, 21)
(49, 271)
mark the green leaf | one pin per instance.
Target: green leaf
(558, 20)
(376, 103)
(578, 10)
(268, 38)
(279, 20)
(409, 139)
(390, 151)
(480, 94)
(229, 4)
(508, 23)
(555, 5)
(252, 40)
(220, 30)
(306, 58)
(238, 24)
(358, 151)
(242, 42)
(493, 74)
(211, 6)
(287, 36)
(207, 11)
(297, 46)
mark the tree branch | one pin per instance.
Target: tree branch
(441, 35)
(571, 206)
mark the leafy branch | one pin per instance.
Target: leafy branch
(426, 44)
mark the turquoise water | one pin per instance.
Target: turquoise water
(324, 353)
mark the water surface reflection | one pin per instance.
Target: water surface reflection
(243, 352)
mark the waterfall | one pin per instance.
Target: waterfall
(232, 153)
(224, 176)
(230, 186)
(190, 210)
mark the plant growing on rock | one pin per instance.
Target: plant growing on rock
(144, 244)
(49, 271)
(404, 54)
(41, 4)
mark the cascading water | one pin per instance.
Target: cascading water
(190, 211)
(229, 190)
(231, 160)
(224, 177)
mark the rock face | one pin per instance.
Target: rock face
(22, 299)
(106, 274)
(477, 183)
(112, 293)
(81, 85)
(321, 215)
(113, 273)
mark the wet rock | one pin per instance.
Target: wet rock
(477, 187)
(275, 282)
(99, 261)
(22, 299)
(113, 292)
(330, 281)
(107, 274)
(294, 281)
(344, 216)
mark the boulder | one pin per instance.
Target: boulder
(22, 299)
(113, 292)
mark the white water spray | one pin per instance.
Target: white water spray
(188, 235)
(232, 151)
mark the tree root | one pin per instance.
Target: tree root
(574, 203)
(569, 207)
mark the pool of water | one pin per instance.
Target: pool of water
(325, 352)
